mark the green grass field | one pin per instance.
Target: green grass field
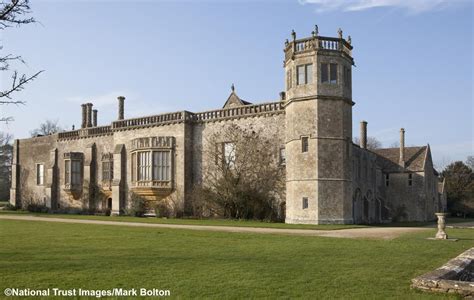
(199, 264)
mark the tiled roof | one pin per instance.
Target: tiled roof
(414, 158)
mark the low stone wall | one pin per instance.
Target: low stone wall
(456, 276)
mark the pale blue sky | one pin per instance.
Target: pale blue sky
(414, 61)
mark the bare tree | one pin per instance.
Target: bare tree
(372, 142)
(46, 128)
(243, 177)
(13, 13)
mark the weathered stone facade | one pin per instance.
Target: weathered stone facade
(328, 178)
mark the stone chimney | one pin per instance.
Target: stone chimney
(121, 100)
(94, 117)
(402, 147)
(363, 135)
(89, 114)
(84, 115)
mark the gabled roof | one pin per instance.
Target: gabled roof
(415, 158)
(233, 100)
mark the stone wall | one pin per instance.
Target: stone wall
(456, 276)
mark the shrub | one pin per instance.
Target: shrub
(37, 208)
(137, 206)
(10, 207)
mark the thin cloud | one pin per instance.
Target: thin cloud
(412, 6)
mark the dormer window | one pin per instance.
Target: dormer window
(329, 73)
(304, 74)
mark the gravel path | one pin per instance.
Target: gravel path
(386, 233)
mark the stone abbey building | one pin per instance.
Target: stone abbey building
(329, 179)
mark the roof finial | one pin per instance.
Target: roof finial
(316, 30)
(349, 39)
(293, 34)
(232, 87)
(339, 32)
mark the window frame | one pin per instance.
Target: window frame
(327, 69)
(305, 203)
(107, 170)
(410, 179)
(304, 144)
(73, 178)
(307, 72)
(387, 180)
(146, 169)
(282, 156)
(229, 159)
(40, 175)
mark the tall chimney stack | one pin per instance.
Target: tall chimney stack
(84, 115)
(121, 100)
(89, 114)
(94, 117)
(402, 147)
(363, 135)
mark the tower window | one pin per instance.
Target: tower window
(410, 179)
(282, 156)
(387, 179)
(305, 202)
(333, 73)
(304, 144)
(347, 76)
(304, 74)
(329, 73)
(39, 174)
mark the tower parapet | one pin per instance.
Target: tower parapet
(318, 43)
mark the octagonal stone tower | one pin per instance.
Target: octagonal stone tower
(318, 129)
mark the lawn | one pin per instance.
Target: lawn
(199, 264)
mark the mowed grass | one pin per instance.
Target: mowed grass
(184, 221)
(199, 264)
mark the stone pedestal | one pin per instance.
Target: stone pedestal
(441, 234)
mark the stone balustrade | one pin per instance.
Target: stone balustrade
(150, 120)
(273, 107)
(85, 132)
(176, 117)
(317, 43)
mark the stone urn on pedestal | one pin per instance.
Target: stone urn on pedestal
(441, 234)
